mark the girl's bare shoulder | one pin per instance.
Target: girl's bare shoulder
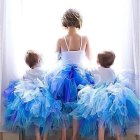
(84, 38)
(60, 39)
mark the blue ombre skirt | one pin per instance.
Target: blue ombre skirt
(29, 104)
(114, 106)
(64, 83)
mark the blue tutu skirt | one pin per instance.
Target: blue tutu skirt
(64, 81)
(30, 103)
(113, 105)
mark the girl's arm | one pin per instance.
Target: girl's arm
(88, 49)
(58, 46)
(58, 49)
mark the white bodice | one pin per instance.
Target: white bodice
(73, 57)
(104, 75)
(34, 74)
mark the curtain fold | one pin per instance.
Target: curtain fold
(136, 52)
(2, 43)
(136, 41)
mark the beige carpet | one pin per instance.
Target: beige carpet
(14, 136)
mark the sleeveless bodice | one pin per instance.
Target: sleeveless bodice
(73, 57)
(34, 74)
(104, 75)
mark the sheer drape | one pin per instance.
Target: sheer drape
(135, 45)
(2, 41)
(36, 24)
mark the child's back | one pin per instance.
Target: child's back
(104, 75)
(29, 102)
(106, 106)
(34, 74)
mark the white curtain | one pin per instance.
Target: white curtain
(36, 24)
(135, 51)
(2, 41)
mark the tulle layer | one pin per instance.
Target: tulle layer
(64, 81)
(115, 106)
(30, 103)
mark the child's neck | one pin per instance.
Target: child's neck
(104, 67)
(36, 66)
(71, 31)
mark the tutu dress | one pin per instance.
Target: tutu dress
(64, 81)
(110, 103)
(28, 102)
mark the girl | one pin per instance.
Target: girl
(109, 105)
(28, 102)
(73, 49)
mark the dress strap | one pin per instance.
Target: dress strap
(81, 43)
(66, 43)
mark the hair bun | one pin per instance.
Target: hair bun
(30, 52)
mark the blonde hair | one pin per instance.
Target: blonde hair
(72, 18)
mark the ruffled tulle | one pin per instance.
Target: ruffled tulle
(113, 105)
(10, 117)
(30, 103)
(63, 82)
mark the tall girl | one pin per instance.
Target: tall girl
(73, 50)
